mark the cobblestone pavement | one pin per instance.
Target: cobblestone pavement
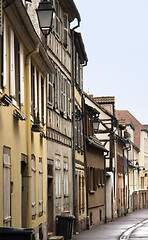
(129, 225)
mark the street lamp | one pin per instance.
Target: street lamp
(45, 13)
(96, 123)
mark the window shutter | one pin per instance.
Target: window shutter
(57, 91)
(88, 179)
(50, 88)
(94, 179)
(40, 185)
(21, 74)
(99, 179)
(68, 99)
(83, 194)
(40, 102)
(80, 193)
(6, 189)
(79, 133)
(36, 91)
(33, 170)
(64, 95)
(76, 133)
(65, 40)
(82, 142)
(12, 64)
(4, 53)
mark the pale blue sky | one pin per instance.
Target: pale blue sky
(115, 34)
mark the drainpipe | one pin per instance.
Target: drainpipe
(124, 184)
(105, 156)
(73, 121)
(86, 165)
(29, 220)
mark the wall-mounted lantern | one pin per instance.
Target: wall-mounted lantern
(45, 13)
(96, 123)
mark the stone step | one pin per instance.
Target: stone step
(56, 238)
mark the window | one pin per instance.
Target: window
(58, 178)
(33, 171)
(7, 187)
(95, 178)
(16, 69)
(66, 181)
(40, 186)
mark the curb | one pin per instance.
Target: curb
(128, 232)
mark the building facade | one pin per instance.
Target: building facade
(23, 201)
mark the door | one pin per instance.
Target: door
(50, 204)
(24, 172)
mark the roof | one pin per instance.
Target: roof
(80, 47)
(129, 118)
(104, 99)
(70, 8)
(95, 142)
(20, 20)
(98, 105)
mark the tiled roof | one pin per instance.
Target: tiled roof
(129, 118)
(96, 143)
(104, 99)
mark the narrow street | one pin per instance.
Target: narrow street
(127, 227)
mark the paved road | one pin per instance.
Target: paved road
(114, 230)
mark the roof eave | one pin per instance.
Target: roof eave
(19, 18)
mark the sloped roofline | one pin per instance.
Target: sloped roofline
(70, 8)
(21, 22)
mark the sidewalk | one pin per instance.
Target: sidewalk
(113, 230)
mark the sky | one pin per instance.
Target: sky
(115, 35)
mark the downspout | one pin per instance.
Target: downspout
(29, 220)
(105, 156)
(124, 184)
(86, 165)
(73, 122)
